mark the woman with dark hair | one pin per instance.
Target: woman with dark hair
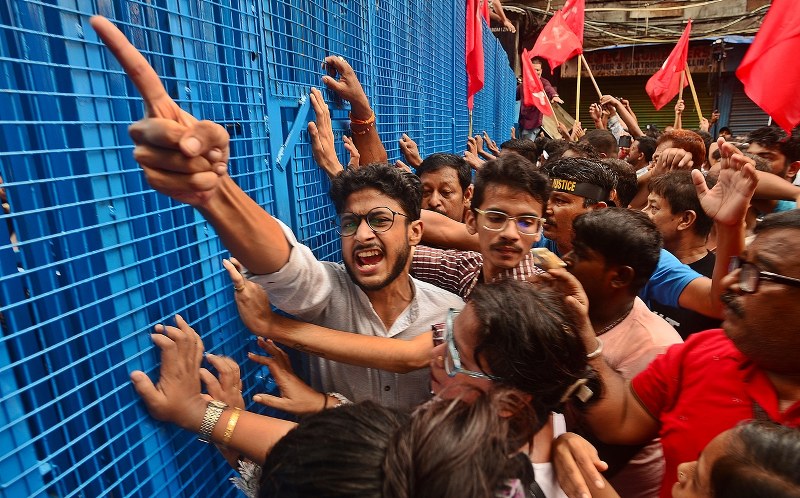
(511, 333)
(523, 336)
(444, 449)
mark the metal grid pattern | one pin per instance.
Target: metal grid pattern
(98, 258)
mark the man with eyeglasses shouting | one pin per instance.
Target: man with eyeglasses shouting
(378, 207)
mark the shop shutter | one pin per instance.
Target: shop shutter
(745, 115)
(632, 88)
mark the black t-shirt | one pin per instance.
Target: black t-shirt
(687, 322)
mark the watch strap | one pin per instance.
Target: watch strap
(213, 413)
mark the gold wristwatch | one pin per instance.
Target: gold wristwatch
(213, 413)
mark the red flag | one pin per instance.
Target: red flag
(665, 84)
(573, 13)
(533, 93)
(475, 63)
(768, 71)
(556, 43)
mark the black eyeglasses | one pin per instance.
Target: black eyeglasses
(750, 275)
(379, 220)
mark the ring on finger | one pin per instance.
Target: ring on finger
(239, 288)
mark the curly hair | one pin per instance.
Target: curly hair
(402, 186)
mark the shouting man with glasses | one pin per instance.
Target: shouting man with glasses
(378, 210)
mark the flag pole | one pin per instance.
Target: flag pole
(589, 70)
(578, 92)
(694, 93)
(678, 123)
(470, 123)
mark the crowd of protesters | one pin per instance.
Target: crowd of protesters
(546, 317)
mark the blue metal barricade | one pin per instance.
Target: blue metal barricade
(91, 258)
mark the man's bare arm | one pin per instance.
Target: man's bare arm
(617, 417)
(445, 232)
(186, 159)
(394, 355)
(727, 205)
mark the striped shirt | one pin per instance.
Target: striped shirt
(460, 271)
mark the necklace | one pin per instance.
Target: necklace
(615, 322)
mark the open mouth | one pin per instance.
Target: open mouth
(368, 258)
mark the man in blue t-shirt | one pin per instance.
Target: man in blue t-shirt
(582, 185)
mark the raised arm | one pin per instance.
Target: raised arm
(362, 118)
(624, 114)
(410, 151)
(727, 205)
(679, 108)
(186, 159)
(441, 231)
(774, 187)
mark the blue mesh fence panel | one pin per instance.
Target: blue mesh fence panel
(91, 258)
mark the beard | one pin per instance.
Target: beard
(401, 258)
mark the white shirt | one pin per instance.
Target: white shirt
(543, 472)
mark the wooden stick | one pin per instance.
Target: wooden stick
(678, 123)
(578, 92)
(594, 82)
(694, 93)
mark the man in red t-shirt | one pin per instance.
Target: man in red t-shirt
(718, 378)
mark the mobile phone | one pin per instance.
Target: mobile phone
(625, 141)
(546, 259)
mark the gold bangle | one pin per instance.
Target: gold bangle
(226, 438)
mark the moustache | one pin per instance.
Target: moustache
(505, 247)
(730, 302)
(362, 247)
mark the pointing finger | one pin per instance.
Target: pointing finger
(157, 101)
